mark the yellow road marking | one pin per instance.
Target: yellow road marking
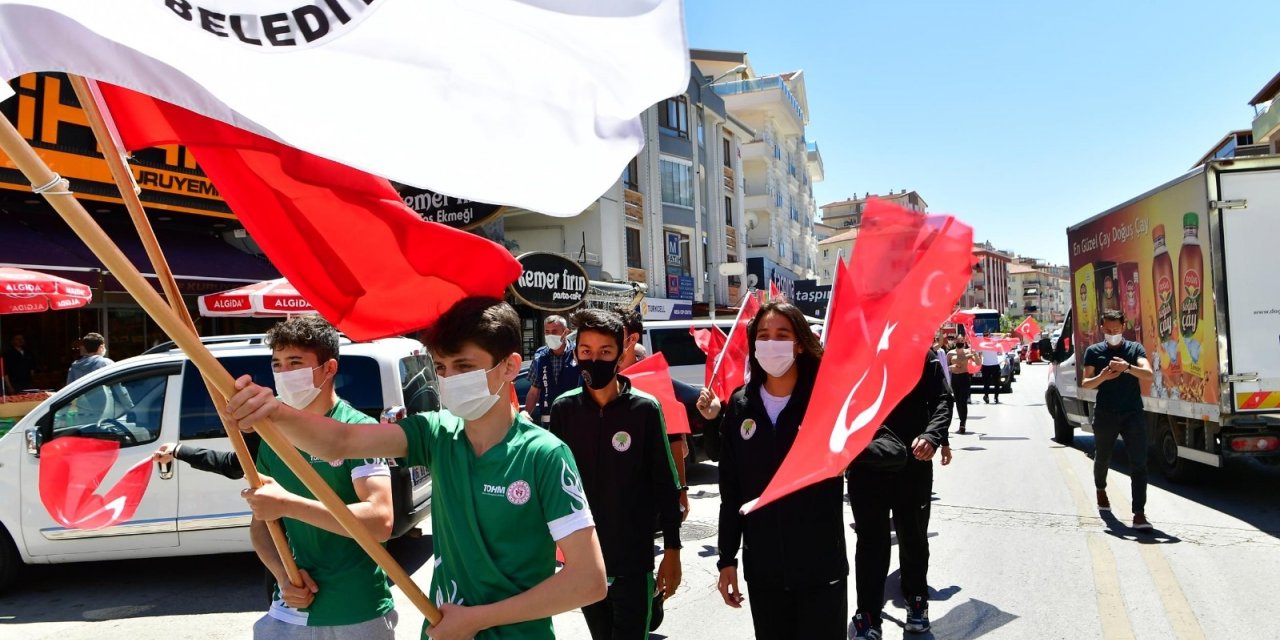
(1181, 617)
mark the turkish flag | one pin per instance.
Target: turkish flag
(964, 318)
(732, 364)
(989, 343)
(904, 277)
(653, 376)
(343, 238)
(71, 472)
(774, 294)
(1029, 329)
(711, 341)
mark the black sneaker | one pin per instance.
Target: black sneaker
(860, 629)
(917, 615)
(961, 431)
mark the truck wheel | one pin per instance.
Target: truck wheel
(1063, 433)
(1173, 468)
(10, 561)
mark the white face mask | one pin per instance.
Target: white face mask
(1115, 339)
(466, 395)
(554, 342)
(296, 387)
(776, 357)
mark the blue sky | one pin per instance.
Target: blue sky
(1019, 117)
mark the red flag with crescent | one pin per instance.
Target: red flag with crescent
(905, 275)
(653, 376)
(72, 470)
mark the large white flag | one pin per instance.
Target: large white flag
(532, 103)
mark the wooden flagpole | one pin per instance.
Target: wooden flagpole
(114, 156)
(55, 190)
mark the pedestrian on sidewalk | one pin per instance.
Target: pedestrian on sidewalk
(1116, 367)
(554, 370)
(794, 556)
(878, 492)
(958, 362)
(990, 372)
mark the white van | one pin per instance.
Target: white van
(189, 512)
(672, 339)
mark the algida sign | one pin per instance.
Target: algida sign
(550, 282)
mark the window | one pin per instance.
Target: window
(631, 175)
(777, 153)
(359, 382)
(128, 410)
(702, 136)
(419, 383)
(673, 118)
(634, 252)
(677, 346)
(677, 182)
(728, 211)
(826, 253)
(734, 281)
(727, 152)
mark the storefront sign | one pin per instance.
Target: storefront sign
(550, 282)
(812, 298)
(762, 271)
(667, 309)
(675, 249)
(458, 213)
(59, 132)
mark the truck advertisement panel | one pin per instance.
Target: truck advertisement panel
(1149, 260)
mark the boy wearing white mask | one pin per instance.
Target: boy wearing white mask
(344, 593)
(507, 492)
(554, 370)
(1116, 367)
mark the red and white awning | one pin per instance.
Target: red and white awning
(270, 299)
(23, 291)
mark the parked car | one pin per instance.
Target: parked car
(189, 512)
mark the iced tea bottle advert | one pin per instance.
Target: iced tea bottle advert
(1166, 305)
(1191, 298)
(1131, 299)
(1086, 321)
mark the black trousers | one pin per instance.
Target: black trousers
(875, 497)
(624, 612)
(991, 376)
(817, 613)
(960, 387)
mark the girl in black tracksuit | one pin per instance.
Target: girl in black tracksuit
(794, 557)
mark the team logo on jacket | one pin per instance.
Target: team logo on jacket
(622, 441)
(747, 429)
(519, 492)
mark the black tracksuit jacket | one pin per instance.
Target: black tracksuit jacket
(796, 542)
(627, 471)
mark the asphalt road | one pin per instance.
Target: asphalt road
(1018, 551)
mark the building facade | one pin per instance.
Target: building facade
(778, 167)
(839, 246)
(989, 286)
(848, 213)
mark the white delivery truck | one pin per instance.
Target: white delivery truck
(1193, 265)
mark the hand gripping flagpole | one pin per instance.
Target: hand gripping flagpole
(113, 153)
(55, 190)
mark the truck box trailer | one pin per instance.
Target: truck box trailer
(1195, 268)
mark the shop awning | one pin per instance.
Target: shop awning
(201, 262)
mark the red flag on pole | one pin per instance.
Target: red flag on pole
(904, 277)
(711, 341)
(1029, 329)
(653, 376)
(71, 472)
(342, 237)
(964, 318)
(774, 294)
(732, 363)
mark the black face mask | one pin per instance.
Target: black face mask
(598, 373)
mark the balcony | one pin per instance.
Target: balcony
(730, 238)
(637, 275)
(1265, 125)
(728, 180)
(764, 94)
(633, 205)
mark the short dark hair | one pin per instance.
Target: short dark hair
(810, 347)
(311, 333)
(488, 323)
(600, 321)
(92, 342)
(1112, 314)
(631, 319)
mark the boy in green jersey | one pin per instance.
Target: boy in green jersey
(344, 593)
(505, 494)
